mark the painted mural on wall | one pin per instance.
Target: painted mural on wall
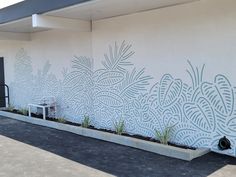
(201, 112)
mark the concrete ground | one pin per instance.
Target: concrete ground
(28, 150)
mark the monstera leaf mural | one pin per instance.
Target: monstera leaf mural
(170, 90)
(200, 114)
(220, 94)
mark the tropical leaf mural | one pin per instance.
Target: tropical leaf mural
(200, 114)
(118, 57)
(110, 78)
(201, 111)
(134, 82)
(220, 94)
(21, 88)
(170, 90)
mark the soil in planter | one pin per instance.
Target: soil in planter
(15, 111)
(40, 116)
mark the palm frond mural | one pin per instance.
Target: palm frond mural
(133, 83)
(118, 57)
(78, 89)
(201, 111)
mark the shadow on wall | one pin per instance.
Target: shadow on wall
(202, 112)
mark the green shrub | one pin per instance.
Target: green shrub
(119, 127)
(86, 122)
(10, 108)
(23, 111)
(61, 120)
(164, 136)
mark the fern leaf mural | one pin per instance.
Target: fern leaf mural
(133, 84)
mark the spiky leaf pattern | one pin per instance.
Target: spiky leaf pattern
(118, 57)
(134, 83)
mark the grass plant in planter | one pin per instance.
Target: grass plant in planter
(164, 136)
(86, 122)
(10, 108)
(24, 111)
(119, 127)
(61, 120)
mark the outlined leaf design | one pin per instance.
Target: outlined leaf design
(182, 132)
(200, 114)
(134, 83)
(110, 78)
(117, 58)
(81, 75)
(232, 124)
(170, 119)
(220, 94)
(108, 98)
(199, 140)
(170, 90)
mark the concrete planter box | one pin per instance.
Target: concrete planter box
(170, 151)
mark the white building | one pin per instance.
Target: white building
(166, 62)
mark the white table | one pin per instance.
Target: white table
(43, 106)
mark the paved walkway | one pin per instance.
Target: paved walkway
(33, 151)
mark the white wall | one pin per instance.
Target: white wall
(57, 46)
(163, 40)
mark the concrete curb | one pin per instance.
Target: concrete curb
(170, 151)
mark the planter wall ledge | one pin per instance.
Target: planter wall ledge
(170, 151)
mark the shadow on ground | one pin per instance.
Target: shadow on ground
(112, 158)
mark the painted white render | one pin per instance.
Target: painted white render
(163, 40)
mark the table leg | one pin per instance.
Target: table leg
(29, 112)
(44, 113)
